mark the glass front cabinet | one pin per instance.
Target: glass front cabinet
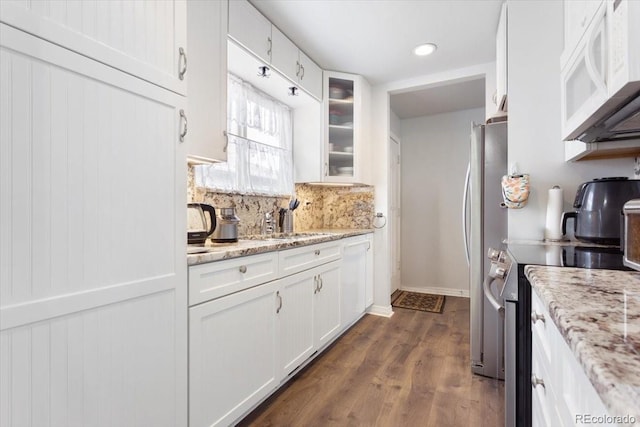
(346, 116)
(331, 139)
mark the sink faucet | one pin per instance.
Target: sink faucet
(268, 224)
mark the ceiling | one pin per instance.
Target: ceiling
(376, 38)
(440, 99)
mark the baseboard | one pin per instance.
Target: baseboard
(437, 291)
(380, 310)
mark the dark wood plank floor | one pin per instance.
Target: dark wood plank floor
(410, 370)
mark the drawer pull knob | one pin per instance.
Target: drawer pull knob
(317, 252)
(535, 381)
(243, 269)
(535, 316)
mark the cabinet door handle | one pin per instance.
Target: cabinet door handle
(326, 169)
(270, 46)
(321, 283)
(301, 71)
(279, 302)
(182, 63)
(298, 68)
(315, 285)
(243, 269)
(535, 316)
(535, 381)
(183, 122)
(317, 252)
(226, 141)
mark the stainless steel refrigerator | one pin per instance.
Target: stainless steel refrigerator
(484, 227)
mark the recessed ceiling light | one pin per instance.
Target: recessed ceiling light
(425, 49)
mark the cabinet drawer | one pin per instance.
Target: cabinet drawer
(543, 396)
(216, 279)
(299, 259)
(541, 327)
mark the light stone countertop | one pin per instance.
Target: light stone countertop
(259, 244)
(598, 314)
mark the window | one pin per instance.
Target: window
(259, 154)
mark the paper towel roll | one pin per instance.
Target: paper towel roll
(553, 229)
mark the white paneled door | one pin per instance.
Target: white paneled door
(295, 318)
(326, 306)
(92, 264)
(141, 37)
(233, 351)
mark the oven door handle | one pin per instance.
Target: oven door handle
(486, 285)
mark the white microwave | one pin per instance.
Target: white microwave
(601, 77)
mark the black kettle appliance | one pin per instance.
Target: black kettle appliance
(198, 228)
(598, 209)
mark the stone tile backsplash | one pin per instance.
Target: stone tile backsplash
(320, 206)
(334, 207)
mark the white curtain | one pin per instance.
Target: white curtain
(259, 154)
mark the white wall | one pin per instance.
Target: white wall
(535, 44)
(380, 129)
(394, 124)
(435, 153)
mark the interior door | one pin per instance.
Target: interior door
(395, 222)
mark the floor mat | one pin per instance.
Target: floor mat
(418, 301)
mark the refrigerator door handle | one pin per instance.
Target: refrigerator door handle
(486, 285)
(465, 197)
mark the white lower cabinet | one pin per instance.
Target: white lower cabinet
(309, 313)
(561, 392)
(296, 319)
(232, 354)
(245, 344)
(354, 279)
(249, 332)
(326, 304)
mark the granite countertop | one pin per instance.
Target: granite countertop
(252, 245)
(598, 314)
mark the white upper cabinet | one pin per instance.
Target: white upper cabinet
(284, 56)
(207, 100)
(310, 76)
(578, 14)
(250, 29)
(345, 156)
(145, 38)
(294, 64)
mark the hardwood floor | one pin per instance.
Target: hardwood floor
(410, 370)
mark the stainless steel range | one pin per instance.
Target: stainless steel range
(516, 295)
